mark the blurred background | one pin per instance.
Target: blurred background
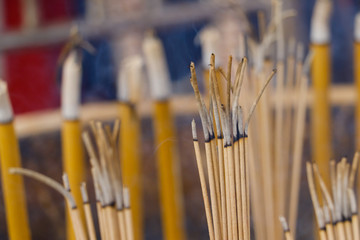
(33, 32)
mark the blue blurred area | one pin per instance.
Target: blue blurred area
(99, 79)
(99, 73)
(180, 48)
(99, 76)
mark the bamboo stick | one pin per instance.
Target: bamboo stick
(202, 182)
(88, 214)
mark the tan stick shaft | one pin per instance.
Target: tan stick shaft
(122, 225)
(222, 188)
(297, 154)
(279, 160)
(89, 221)
(232, 192)
(78, 226)
(216, 173)
(112, 223)
(257, 198)
(129, 226)
(239, 207)
(102, 227)
(348, 230)
(288, 236)
(204, 190)
(355, 226)
(227, 188)
(322, 235)
(330, 231)
(340, 231)
(214, 205)
(244, 189)
(267, 168)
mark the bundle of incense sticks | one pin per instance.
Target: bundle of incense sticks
(335, 206)
(226, 146)
(112, 198)
(275, 149)
(278, 140)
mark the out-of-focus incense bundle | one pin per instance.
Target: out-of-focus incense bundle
(112, 198)
(335, 208)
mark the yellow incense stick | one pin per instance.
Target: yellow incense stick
(169, 175)
(12, 186)
(321, 78)
(128, 95)
(72, 148)
(357, 77)
(357, 82)
(73, 162)
(321, 109)
(164, 130)
(131, 165)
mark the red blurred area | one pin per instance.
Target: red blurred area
(31, 73)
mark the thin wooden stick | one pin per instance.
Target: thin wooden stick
(287, 233)
(237, 154)
(354, 168)
(128, 215)
(298, 146)
(354, 215)
(202, 181)
(330, 234)
(88, 215)
(315, 201)
(220, 158)
(74, 213)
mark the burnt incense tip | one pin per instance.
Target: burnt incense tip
(274, 70)
(66, 182)
(211, 136)
(284, 224)
(126, 197)
(193, 127)
(84, 193)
